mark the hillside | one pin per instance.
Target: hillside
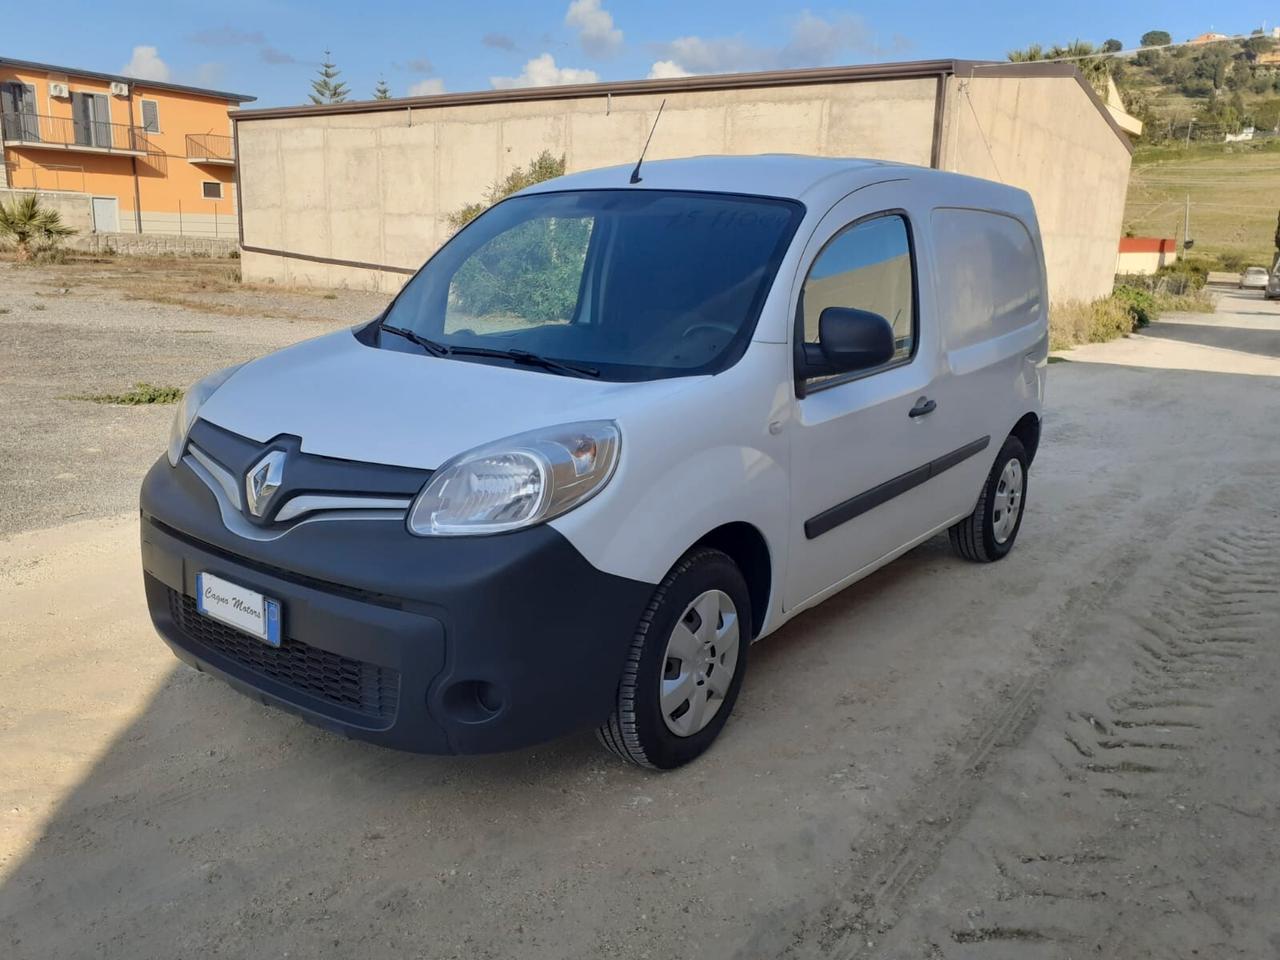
(1234, 190)
(1190, 98)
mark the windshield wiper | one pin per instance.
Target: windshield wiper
(433, 348)
(519, 356)
(524, 356)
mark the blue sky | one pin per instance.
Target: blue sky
(270, 48)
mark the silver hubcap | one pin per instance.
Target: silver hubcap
(698, 666)
(1008, 500)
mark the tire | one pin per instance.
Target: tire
(644, 731)
(986, 535)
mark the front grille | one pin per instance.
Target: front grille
(355, 685)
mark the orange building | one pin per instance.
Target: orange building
(148, 157)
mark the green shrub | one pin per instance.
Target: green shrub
(142, 394)
(542, 167)
(1141, 304)
(1233, 262)
(1195, 272)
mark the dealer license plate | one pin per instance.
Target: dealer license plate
(246, 610)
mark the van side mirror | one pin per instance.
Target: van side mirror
(848, 340)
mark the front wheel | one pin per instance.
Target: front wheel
(686, 664)
(988, 533)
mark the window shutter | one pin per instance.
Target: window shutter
(150, 116)
(80, 118)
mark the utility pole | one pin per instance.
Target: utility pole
(1186, 224)
(1189, 126)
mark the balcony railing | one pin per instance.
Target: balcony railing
(210, 148)
(65, 133)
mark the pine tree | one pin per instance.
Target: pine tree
(382, 91)
(328, 88)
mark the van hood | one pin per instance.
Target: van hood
(354, 402)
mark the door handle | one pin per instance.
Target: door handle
(923, 406)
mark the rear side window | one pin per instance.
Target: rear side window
(988, 275)
(868, 266)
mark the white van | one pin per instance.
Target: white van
(611, 434)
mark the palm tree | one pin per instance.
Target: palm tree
(31, 226)
(1090, 60)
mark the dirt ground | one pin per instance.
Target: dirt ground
(1074, 752)
(91, 328)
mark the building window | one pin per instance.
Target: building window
(151, 116)
(212, 190)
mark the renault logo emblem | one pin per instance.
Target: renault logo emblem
(263, 480)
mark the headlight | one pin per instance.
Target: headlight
(189, 408)
(517, 482)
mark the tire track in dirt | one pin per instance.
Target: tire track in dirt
(1184, 648)
(1192, 650)
(889, 864)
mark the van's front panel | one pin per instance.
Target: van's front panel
(464, 644)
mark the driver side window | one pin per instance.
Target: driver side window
(866, 266)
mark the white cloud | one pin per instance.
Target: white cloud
(666, 69)
(718, 55)
(427, 87)
(145, 64)
(812, 41)
(542, 71)
(208, 74)
(816, 41)
(596, 32)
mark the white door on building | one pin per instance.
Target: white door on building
(106, 215)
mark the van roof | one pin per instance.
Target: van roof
(788, 176)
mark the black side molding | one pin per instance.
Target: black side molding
(832, 517)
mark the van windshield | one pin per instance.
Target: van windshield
(635, 284)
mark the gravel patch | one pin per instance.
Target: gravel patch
(83, 329)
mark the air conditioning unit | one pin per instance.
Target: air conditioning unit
(119, 89)
(59, 89)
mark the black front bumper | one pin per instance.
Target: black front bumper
(446, 645)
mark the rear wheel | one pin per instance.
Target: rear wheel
(988, 533)
(686, 664)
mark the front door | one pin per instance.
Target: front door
(106, 215)
(863, 443)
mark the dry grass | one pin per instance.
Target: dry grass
(211, 286)
(1193, 301)
(1232, 189)
(204, 306)
(1074, 322)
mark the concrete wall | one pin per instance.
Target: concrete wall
(154, 245)
(1046, 135)
(73, 207)
(378, 187)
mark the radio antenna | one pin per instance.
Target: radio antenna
(635, 174)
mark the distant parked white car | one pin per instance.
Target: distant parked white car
(1254, 278)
